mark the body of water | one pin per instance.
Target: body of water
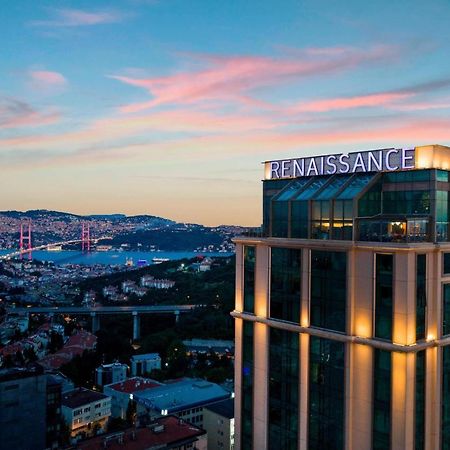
(110, 257)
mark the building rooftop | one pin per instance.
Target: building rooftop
(145, 357)
(181, 395)
(135, 384)
(167, 432)
(15, 373)
(81, 396)
(224, 408)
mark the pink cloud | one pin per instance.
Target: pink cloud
(47, 78)
(229, 78)
(68, 17)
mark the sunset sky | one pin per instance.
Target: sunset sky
(168, 107)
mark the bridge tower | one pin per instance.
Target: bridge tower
(25, 240)
(85, 237)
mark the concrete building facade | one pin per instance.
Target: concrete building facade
(343, 305)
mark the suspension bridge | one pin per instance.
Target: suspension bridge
(26, 247)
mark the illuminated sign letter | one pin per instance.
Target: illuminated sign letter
(330, 162)
(359, 164)
(388, 159)
(407, 157)
(377, 164)
(274, 168)
(285, 166)
(312, 166)
(344, 163)
(299, 168)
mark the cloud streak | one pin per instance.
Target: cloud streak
(69, 18)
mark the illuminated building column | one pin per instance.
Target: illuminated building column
(359, 358)
(433, 355)
(238, 323)
(261, 350)
(303, 391)
(239, 297)
(403, 364)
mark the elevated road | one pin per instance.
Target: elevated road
(80, 310)
(96, 311)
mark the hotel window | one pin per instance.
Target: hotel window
(381, 427)
(446, 309)
(247, 386)
(328, 290)
(384, 266)
(285, 277)
(421, 296)
(343, 219)
(249, 278)
(419, 419)
(446, 263)
(326, 395)
(445, 400)
(283, 389)
(441, 216)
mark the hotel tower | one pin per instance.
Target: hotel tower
(343, 305)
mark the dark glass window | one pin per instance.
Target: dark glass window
(343, 219)
(406, 202)
(270, 189)
(445, 401)
(326, 395)
(421, 296)
(441, 215)
(446, 263)
(320, 219)
(285, 277)
(280, 218)
(381, 428)
(384, 267)
(446, 310)
(283, 389)
(249, 278)
(328, 289)
(247, 386)
(370, 203)
(299, 219)
(419, 413)
(442, 175)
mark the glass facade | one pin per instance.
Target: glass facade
(285, 278)
(446, 309)
(249, 278)
(419, 412)
(326, 395)
(247, 386)
(328, 290)
(421, 296)
(381, 426)
(445, 399)
(446, 263)
(384, 291)
(283, 390)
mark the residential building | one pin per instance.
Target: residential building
(145, 363)
(23, 404)
(122, 393)
(218, 421)
(343, 305)
(110, 373)
(185, 398)
(85, 412)
(167, 433)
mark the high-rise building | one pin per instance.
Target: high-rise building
(343, 305)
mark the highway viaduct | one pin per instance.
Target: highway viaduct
(96, 311)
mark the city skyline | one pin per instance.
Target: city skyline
(167, 107)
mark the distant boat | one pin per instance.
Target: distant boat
(54, 248)
(160, 260)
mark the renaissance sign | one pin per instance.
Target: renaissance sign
(386, 160)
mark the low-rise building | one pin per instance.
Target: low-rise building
(110, 373)
(184, 398)
(167, 433)
(85, 412)
(123, 393)
(143, 364)
(218, 421)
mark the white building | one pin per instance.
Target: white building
(142, 364)
(85, 412)
(110, 373)
(218, 421)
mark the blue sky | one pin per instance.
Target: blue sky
(168, 107)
